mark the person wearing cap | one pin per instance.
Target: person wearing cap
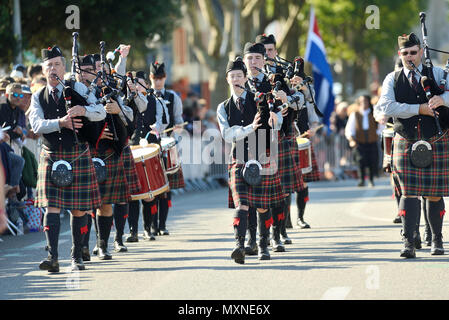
(115, 189)
(10, 117)
(48, 116)
(291, 177)
(149, 124)
(34, 71)
(240, 120)
(404, 99)
(259, 82)
(173, 119)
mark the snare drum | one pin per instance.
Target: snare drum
(150, 169)
(387, 135)
(305, 154)
(170, 152)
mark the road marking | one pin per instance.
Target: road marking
(336, 293)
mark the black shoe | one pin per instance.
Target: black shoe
(408, 251)
(361, 184)
(264, 254)
(119, 247)
(397, 219)
(49, 264)
(302, 224)
(437, 246)
(95, 250)
(164, 232)
(103, 253)
(238, 254)
(285, 239)
(148, 236)
(85, 254)
(251, 248)
(277, 245)
(77, 264)
(132, 237)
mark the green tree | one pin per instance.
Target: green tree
(350, 43)
(115, 22)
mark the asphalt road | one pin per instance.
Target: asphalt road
(351, 252)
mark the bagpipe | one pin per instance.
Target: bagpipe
(73, 98)
(428, 82)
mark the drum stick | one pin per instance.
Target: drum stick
(316, 129)
(388, 124)
(170, 129)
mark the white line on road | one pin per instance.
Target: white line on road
(336, 293)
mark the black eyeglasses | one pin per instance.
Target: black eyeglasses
(405, 53)
(17, 95)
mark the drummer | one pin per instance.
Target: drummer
(149, 125)
(174, 119)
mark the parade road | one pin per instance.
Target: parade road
(351, 252)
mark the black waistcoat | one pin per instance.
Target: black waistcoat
(64, 138)
(419, 126)
(237, 118)
(302, 120)
(144, 120)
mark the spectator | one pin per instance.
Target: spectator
(35, 71)
(18, 71)
(339, 118)
(362, 132)
(3, 218)
(37, 83)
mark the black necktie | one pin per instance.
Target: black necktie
(240, 104)
(54, 94)
(413, 81)
(158, 94)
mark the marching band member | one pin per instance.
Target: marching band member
(148, 122)
(48, 116)
(241, 119)
(416, 173)
(174, 108)
(291, 174)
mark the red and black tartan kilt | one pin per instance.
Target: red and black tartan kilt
(289, 170)
(411, 181)
(176, 180)
(269, 194)
(129, 167)
(314, 175)
(83, 194)
(115, 188)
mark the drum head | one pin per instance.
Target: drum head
(145, 153)
(167, 143)
(388, 132)
(302, 141)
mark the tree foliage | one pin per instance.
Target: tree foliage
(115, 22)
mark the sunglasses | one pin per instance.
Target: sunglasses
(405, 53)
(17, 95)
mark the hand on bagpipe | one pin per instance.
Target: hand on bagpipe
(432, 89)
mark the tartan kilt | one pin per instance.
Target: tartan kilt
(432, 181)
(314, 175)
(289, 170)
(115, 188)
(129, 167)
(176, 180)
(269, 194)
(83, 194)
